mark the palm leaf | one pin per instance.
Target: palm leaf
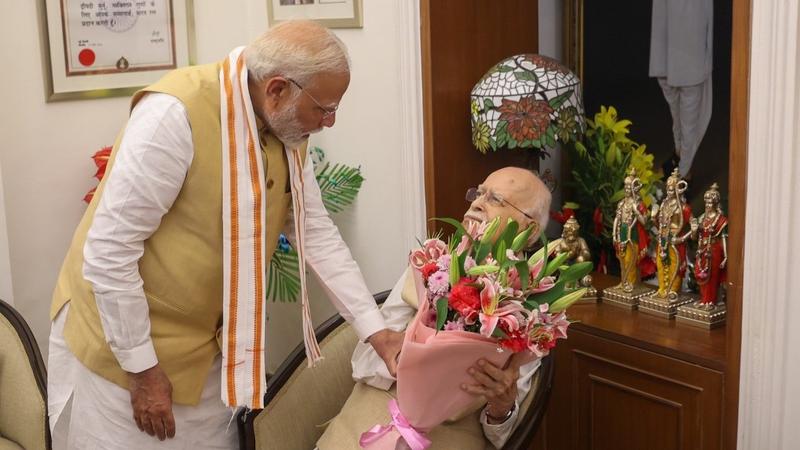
(283, 277)
(339, 185)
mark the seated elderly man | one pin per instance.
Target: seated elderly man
(510, 192)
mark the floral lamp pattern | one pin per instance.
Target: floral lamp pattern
(526, 101)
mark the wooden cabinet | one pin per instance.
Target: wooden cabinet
(630, 381)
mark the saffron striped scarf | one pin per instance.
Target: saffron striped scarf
(244, 250)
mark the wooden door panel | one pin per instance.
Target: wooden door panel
(609, 395)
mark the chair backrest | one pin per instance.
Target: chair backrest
(326, 387)
(533, 408)
(23, 385)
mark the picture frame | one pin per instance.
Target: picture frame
(108, 48)
(329, 13)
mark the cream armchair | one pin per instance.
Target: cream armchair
(23, 391)
(300, 400)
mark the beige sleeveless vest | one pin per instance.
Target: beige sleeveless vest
(182, 262)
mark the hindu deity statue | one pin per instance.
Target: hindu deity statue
(672, 220)
(711, 233)
(628, 234)
(573, 244)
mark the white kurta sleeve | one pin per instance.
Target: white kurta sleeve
(499, 434)
(330, 261)
(149, 170)
(368, 367)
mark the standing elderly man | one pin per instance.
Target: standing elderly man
(508, 193)
(158, 314)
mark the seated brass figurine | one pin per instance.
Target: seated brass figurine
(575, 246)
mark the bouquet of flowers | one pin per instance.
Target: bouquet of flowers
(479, 297)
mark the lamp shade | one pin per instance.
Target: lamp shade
(526, 101)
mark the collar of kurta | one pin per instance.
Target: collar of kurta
(244, 250)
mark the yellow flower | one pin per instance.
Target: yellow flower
(480, 136)
(474, 108)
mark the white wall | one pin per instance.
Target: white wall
(47, 169)
(6, 291)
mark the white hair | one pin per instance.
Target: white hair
(298, 50)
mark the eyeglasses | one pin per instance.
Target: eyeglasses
(494, 199)
(327, 111)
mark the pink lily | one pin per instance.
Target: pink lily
(431, 250)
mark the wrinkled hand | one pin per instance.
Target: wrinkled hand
(151, 398)
(387, 344)
(497, 385)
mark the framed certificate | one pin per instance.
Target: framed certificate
(330, 13)
(104, 48)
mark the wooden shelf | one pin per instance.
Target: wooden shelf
(666, 337)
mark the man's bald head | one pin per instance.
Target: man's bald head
(515, 193)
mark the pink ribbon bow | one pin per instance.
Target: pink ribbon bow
(414, 439)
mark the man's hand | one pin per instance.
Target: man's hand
(387, 343)
(497, 385)
(151, 398)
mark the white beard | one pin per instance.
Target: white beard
(286, 127)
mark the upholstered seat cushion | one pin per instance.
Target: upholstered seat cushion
(5, 444)
(23, 413)
(295, 418)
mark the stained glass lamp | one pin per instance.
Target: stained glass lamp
(526, 101)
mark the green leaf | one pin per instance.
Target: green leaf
(456, 224)
(504, 69)
(481, 251)
(547, 296)
(524, 274)
(483, 270)
(521, 239)
(455, 272)
(556, 262)
(441, 312)
(499, 333)
(500, 252)
(572, 205)
(576, 271)
(525, 76)
(512, 144)
(339, 185)
(491, 230)
(559, 100)
(567, 300)
(509, 233)
(541, 252)
(283, 277)
(488, 104)
(617, 196)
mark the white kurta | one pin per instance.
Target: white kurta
(369, 368)
(150, 167)
(681, 58)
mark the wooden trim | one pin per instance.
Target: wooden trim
(35, 360)
(737, 191)
(427, 108)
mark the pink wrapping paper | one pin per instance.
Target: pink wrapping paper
(431, 369)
